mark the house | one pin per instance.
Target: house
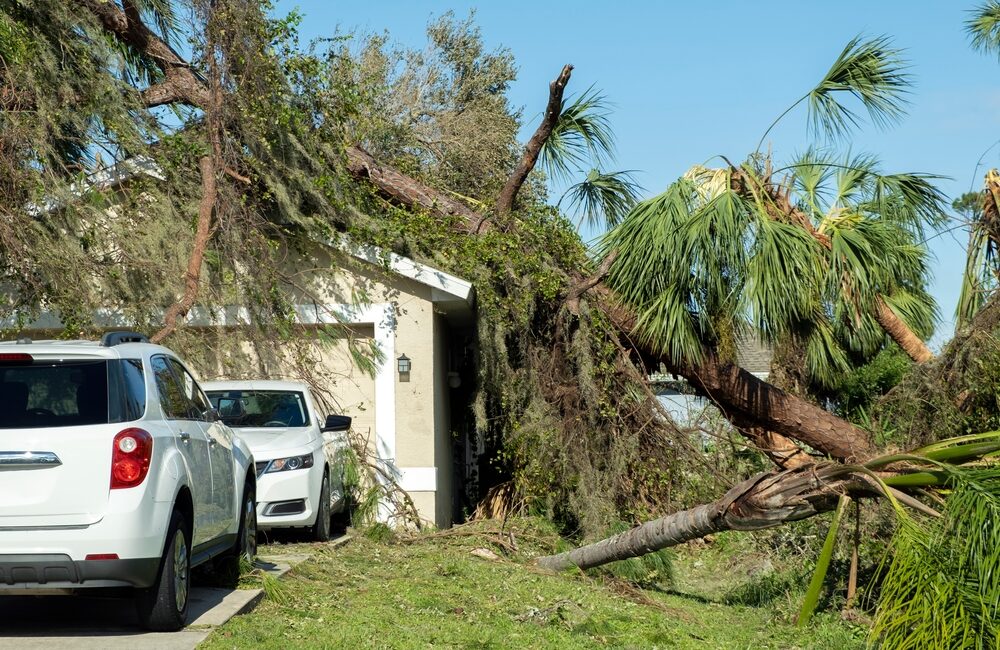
(414, 407)
(686, 407)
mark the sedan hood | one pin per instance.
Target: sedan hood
(263, 441)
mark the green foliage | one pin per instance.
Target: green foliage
(870, 70)
(703, 265)
(955, 395)
(603, 199)
(940, 585)
(983, 26)
(582, 133)
(811, 599)
(860, 388)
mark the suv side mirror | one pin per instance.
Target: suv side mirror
(336, 423)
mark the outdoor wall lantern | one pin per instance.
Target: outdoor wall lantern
(403, 366)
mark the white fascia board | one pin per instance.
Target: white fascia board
(445, 286)
(99, 180)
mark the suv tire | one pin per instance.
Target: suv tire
(163, 607)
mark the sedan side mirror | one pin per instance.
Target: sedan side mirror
(337, 423)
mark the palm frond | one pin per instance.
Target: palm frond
(978, 278)
(603, 198)
(871, 71)
(582, 135)
(984, 27)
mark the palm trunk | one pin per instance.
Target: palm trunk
(899, 332)
(764, 501)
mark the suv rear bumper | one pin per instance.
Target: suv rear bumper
(59, 571)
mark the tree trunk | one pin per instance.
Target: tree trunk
(764, 501)
(899, 332)
(505, 202)
(192, 278)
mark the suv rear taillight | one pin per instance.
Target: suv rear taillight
(130, 456)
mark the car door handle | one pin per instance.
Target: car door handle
(185, 437)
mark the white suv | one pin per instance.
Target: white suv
(115, 471)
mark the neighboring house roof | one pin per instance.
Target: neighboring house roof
(752, 354)
(755, 356)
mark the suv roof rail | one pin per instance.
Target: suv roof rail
(117, 338)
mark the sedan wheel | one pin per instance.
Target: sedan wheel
(321, 529)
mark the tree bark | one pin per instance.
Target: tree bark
(749, 401)
(782, 451)
(764, 501)
(192, 279)
(411, 193)
(505, 202)
(899, 332)
(180, 84)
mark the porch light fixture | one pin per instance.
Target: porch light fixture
(403, 366)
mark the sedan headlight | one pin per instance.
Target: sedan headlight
(290, 463)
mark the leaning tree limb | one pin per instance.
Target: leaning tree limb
(505, 202)
(180, 84)
(192, 277)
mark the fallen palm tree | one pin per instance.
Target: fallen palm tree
(942, 565)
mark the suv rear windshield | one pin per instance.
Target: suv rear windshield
(260, 408)
(68, 393)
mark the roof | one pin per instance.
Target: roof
(256, 384)
(754, 355)
(445, 287)
(452, 295)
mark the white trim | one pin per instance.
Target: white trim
(418, 479)
(446, 286)
(99, 180)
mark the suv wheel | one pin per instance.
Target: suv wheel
(163, 607)
(321, 529)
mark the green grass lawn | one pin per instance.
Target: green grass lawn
(435, 593)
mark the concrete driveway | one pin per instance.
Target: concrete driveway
(110, 623)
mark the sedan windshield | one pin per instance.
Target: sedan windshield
(260, 408)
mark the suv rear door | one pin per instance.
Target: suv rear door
(56, 432)
(184, 420)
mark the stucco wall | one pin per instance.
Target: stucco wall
(422, 440)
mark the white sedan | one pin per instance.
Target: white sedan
(299, 477)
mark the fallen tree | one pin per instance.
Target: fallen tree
(771, 418)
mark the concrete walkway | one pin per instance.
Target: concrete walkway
(94, 623)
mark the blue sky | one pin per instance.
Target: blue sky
(693, 80)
